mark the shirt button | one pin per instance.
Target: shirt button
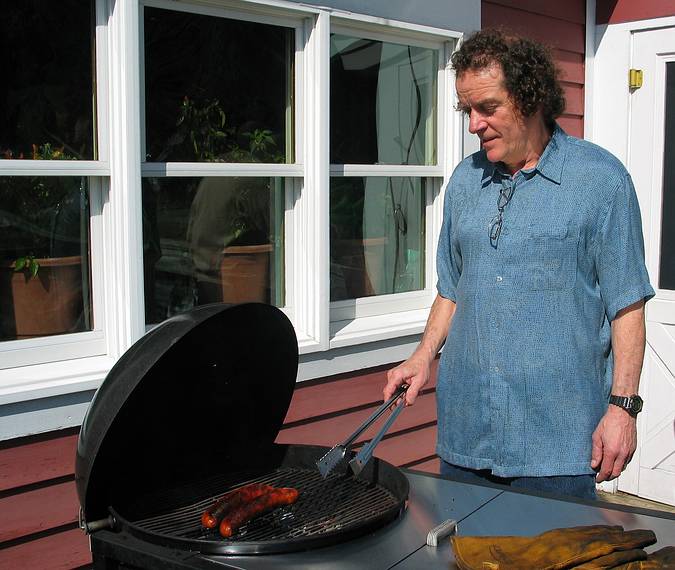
(499, 278)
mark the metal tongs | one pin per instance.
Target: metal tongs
(333, 458)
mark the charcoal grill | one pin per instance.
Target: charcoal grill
(191, 411)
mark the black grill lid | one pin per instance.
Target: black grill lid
(205, 392)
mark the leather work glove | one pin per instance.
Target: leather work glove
(556, 549)
(659, 560)
(618, 558)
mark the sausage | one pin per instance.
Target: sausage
(263, 504)
(232, 500)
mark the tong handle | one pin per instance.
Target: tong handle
(366, 452)
(376, 414)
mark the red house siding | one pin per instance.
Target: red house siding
(38, 504)
(561, 26)
(618, 11)
(326, 411)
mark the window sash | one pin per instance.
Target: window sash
(94, 343)
(368, 319)
(38, 350)
(344, 311)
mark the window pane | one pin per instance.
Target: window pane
(210, 240)
(376, 236)
(46, 92)
(667, 264)
(382, 102)
(44, 257)
(216, 90)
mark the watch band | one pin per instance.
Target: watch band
(632, 404)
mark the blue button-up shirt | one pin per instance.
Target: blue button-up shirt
(526, 370)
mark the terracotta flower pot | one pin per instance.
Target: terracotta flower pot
(245, 273)
(49, 303)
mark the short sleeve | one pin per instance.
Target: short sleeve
(448, 258)
(619, 252)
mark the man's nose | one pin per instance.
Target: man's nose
(476, 122)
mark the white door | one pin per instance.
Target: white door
(651, 159)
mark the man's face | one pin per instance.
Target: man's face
(502, 129)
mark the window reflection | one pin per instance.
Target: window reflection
(376, 236)
(383, 102)
(216, 90)
(211, 240)
(44, 256)
(667, 261)
(46, 92)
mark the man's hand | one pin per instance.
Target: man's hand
(614, 442)
(415, 372)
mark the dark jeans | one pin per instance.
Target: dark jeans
(581, 486)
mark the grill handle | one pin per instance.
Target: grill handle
(93, 526)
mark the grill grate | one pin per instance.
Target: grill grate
(324, 506)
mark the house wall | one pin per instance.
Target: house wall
(619, 11)
(38, 503)
(561, 26)
(447, 14)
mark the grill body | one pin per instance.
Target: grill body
(191, 411)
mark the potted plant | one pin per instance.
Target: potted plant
(41, 290)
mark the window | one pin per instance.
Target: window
(47, 92)
(384, 171)
(377, 235)
(383, 102)
(211, 240)
(48, 149)
(192, 152)
(667, 255)
(220, 91)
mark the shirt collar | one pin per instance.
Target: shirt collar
(550, 163)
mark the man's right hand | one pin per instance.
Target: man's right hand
(415, 372)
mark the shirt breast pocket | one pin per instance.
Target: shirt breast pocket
(550, 258)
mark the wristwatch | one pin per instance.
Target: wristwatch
(632, 404)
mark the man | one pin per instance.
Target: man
(541, 289)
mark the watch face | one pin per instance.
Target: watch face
(636, 404)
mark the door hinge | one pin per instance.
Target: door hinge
(634, 79)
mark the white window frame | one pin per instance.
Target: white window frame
(15, 354)
(381, 317)
(293, 173)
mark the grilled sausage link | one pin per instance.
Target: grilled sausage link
(232, 500)
(263, 504)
